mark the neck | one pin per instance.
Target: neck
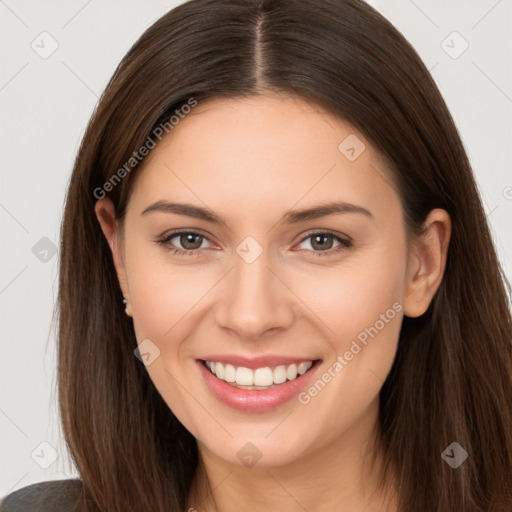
(342, 474)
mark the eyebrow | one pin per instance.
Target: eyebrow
(291, 217)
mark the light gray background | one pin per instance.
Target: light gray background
(45, 104)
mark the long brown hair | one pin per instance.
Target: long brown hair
(451, 380)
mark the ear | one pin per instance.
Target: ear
(105, 212)
(427, 262)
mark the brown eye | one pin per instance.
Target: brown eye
(190, 241)
(185, 243)
(322, 242)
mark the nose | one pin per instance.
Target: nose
(254, 300)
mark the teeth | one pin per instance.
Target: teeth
(260, 378)
(244, 376)
(219, 370)
(263, 377)
(302, 368)
(291, 372)
(229, 373)
(279, 374)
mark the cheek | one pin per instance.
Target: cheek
(361, 304)
(351, 297)
(363, 311)
(162, 293)
(167, 302)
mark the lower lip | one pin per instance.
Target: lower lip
(252, 400)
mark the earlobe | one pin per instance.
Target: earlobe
(105, 213)
(427, 262)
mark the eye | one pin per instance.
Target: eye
(189, 243)
(322, 243)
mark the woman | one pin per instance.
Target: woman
(278, 289)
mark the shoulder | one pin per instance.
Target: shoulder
(50, 496)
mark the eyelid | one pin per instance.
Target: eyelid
(193, 231)
(344, 241)
(164, 239)
(335, 234)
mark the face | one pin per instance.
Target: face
(243, 276)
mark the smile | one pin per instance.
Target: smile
(259, 378)
(256, 385)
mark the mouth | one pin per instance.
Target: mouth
(253, 387)
(259, 378)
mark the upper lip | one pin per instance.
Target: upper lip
(256, 362)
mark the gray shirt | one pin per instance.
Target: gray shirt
(50, 496)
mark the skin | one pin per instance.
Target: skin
(250, 161)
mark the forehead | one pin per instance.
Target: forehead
(249, 153)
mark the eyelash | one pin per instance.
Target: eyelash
(344, 243)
